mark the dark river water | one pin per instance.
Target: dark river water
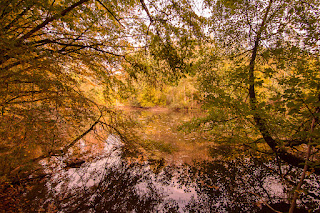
(179, 172)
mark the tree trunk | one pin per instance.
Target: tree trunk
(260, 121)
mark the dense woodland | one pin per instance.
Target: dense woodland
(252, 66)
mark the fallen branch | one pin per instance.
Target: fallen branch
(66, 148)
(305, 168)
(59, 152)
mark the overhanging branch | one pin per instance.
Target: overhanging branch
(50, 19)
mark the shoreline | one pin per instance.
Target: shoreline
(156, 109)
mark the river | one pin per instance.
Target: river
(173, 172)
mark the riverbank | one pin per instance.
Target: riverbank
(160, 109)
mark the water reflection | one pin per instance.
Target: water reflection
(234, 186)
(110, 183)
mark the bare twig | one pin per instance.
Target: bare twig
(111, 13)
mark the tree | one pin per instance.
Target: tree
(49, 48)
(272, 59)
(46, 48)
(264, 74)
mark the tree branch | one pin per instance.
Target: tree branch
(66, 148)
(260, 121)
(111, 13)
(48, 20)
(63, 151)
(18, 17)
(144, 6)
(305, 168)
